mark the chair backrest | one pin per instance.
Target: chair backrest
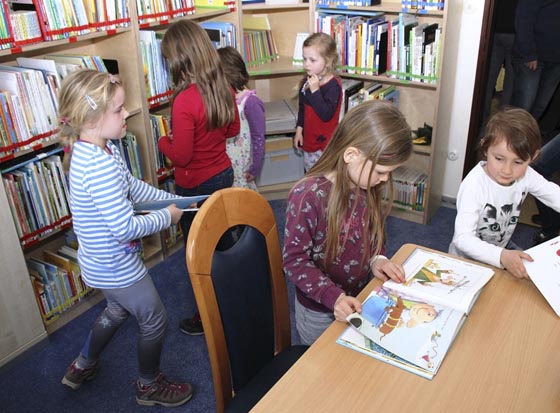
(240, 291)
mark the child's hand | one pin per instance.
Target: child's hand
(176, 213)
(313, 83)
(346, 305)
(385, 269)
(248, 176)
(298, 138)
(512, 260)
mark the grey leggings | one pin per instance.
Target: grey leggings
(142, 301)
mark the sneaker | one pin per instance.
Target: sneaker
(192, 326)
(75, 376)
(163, 392)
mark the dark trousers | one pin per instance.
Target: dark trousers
(547, 164)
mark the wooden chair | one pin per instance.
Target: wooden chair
(241, 295)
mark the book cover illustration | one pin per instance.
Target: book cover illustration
(415, 330)
(544, 271)
(442, 279)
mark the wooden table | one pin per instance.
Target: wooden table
(506, 358)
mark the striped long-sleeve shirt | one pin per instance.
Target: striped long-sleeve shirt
(102, 193)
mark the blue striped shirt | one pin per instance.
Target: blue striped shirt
(102, 193)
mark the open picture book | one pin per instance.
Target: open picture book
(185, 203)
(544, 271)
(412, 325)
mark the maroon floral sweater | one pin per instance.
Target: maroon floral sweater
(305, 236)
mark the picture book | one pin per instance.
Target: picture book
(186, 203)
(545, 271)
(416, 322)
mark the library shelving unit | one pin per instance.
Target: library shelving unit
(22, 326)
(418, 100)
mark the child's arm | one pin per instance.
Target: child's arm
(326, 100)
(545, 191)
(298, 138)
(109, 190)
(303, 212)
(254, 111)
(180, 149)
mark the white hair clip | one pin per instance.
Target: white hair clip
(91, 102)
(112, 79)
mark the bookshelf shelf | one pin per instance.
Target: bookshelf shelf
(260, 7)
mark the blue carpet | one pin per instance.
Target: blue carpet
(33, 385)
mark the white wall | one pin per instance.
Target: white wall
(464, 23)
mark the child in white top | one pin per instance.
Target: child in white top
(491, 195)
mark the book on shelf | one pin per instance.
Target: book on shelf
(297, 58)
(415, 323)
(186, 203)
(221, 34)
(544, 271)
(350, 87)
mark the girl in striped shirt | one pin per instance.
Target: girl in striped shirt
(102, 193)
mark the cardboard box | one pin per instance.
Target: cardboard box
(281, 162)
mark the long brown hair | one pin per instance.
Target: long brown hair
(380, 132)
(193, 59)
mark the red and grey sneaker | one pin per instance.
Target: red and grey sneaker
(163, 392)
(75, 376)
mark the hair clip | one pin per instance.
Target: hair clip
(91, 102)
(112, 78)
(64, 120)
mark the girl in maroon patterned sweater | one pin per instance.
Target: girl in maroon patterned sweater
(335, 223)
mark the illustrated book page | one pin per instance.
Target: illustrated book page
(186, 203)
(545, 271)
(442, 279)
(416, 330)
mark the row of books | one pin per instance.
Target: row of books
(410, 189)
(339, 3)
(159, 86)
(130, 151)
(28, 97)
(161, 126)
(356, 91)
(38, 197)
(64, 19)
(44, 20)
(156, 71)
(173, 233)
(57, 282)
(258, 41)
(157, 10)
(420, 5)
(371, 44)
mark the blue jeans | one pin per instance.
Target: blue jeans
(547, 164)
(219, 181)
(533, 90)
